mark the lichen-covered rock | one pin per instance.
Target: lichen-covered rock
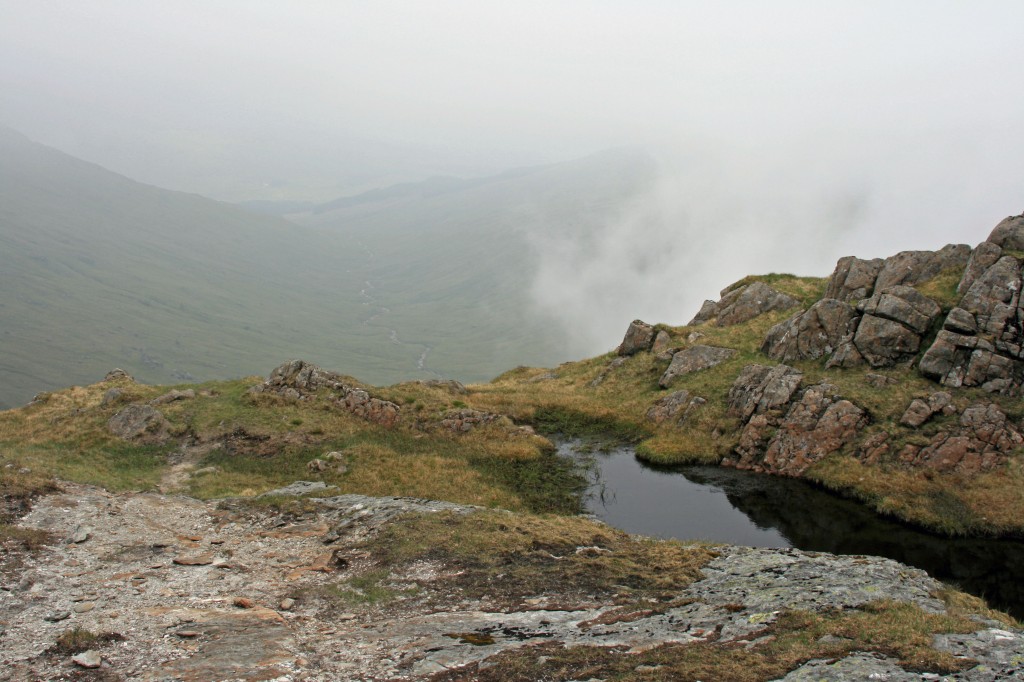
(694, 359)
(884, 343)
(750, 301)
(464, 420)
(902, 304)
(982, 338)
(894, 321)
(982, 258)
(982, 441)
(662, 342)
(674, 407)
(639, 337)
(118, 374)
(707, 312)
(1009, 233)
(915, 267)
(921, 410)
(172, 396)
(138, 422)
(853, 279)
(300, 380)
(761, 389)
(742, 304)
(816, 425)
(812, 334)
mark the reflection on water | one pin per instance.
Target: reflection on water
(740, 508)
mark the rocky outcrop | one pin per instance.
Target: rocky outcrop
(853, 279)
(742, 304)
(812, 334)
(982, 440)
(916, 267)
(466, 420)
(787, 430)
(140, 423)
(694, 359)
(674, 407)
(639, 337)
(921, 410)
(1009, 233)
(118, 374)
(981, 341)
(300, 380)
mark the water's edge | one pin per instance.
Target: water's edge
(743, 508)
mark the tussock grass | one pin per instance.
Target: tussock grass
(501, 555)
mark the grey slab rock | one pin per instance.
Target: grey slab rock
(982, 258)
(298, 488)
(639, 337)
(902, 304)
(884, 343)
(856, 667)
(1009, 233)
(674, 407)
(750, 301)
(694, 359)
(707, 312)
(87, 659)
(759, 389)
(139, 422)
(916, 267)
(812, 334)
(853, 279)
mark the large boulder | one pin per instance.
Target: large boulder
(915, 267)
(639, 337)
(894, 321)
(138, 422)
(812, 334)
(760, 389)
(674, 407)
(742, 304)
(1009, 233)
(694, 359)
(853, 279)
(982, 258)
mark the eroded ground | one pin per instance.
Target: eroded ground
(350, 587)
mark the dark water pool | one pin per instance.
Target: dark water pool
(741, 508)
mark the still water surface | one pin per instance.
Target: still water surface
(741, 508)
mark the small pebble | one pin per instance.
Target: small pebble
(57, 616)
(243, 602)
(287, 604)
(87, 659)
(84, 607)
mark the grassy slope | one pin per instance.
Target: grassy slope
(98, 271)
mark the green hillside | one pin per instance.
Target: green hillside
(98, 271)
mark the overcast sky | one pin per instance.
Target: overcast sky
(911, 113)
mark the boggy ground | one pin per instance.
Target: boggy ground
(165, 587)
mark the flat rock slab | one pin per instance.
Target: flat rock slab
(182, 623)
(694, 359)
